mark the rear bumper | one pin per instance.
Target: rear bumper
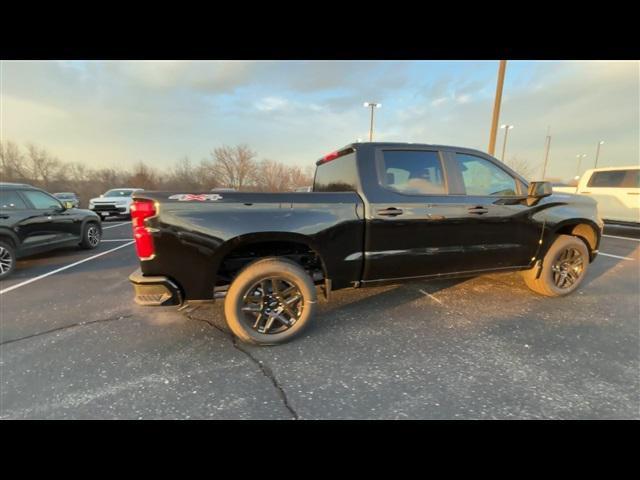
(155, 291)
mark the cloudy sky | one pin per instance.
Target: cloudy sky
(115, 113)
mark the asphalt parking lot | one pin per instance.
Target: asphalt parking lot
(74, 345)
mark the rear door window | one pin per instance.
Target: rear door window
(413, 172)
(10, 200)
(615, 179)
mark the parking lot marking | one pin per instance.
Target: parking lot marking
(116, 240)
(114, 226)
(44, 275)
(615, 256)
(431, 296)
(622, 238)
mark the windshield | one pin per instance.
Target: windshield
(118, 193)
(64, 195)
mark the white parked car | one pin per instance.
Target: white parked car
(115, 202)
(616, 189)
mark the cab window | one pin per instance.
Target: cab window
(615, 179)
(481, 177)
(10, 200)
(412, 172)
(40, 200)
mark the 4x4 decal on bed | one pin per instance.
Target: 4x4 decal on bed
(188, 197)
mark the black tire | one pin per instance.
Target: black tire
(91, 236)
(267, 290)
(563, 268)
(7, 259)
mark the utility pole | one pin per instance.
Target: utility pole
(598, 153)
(371, 105)
(496, 107)
(546, 153)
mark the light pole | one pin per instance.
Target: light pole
(598, 153)
(546, 153)
(579, 157)
(371, 105)
(506, 134)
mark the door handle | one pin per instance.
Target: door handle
(479, 210)
(390, 212)
(633, 193)
(4, 217)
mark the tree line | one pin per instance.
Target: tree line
(234, 167)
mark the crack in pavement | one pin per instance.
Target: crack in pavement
(264, 369)
(66, 327)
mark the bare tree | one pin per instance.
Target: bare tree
(300, 177)
(522, 166)
(42, 167)
(233, 167)
(11, 163)
(143, 177)
(273, 177)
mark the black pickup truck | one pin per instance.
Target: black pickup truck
(378, 213)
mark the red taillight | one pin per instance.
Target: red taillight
(141, 210)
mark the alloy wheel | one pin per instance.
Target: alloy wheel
(6, 260)
(272, 305)
(568, 268)
(93, 236)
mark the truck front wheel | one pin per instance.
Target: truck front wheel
(270, 301)
(563, 268)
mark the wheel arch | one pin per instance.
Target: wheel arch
(8, 235)
(584, 229)
(266, 244)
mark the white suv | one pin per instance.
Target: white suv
(616, 189)
(115, 202)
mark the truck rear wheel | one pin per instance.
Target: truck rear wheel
(271, 301)
(563, 268)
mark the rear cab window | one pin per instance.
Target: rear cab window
(339, 174)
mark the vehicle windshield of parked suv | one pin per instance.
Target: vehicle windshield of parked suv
(65, 196)
(41, 200)
(119, 193)
(481, 177)
(10, 200)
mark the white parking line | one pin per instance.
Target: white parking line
(114, 226)
(623, 238)
(431, 296)
(616, 256)
(116, 240)
(44, 275)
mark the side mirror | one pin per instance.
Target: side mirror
(539, 189)
(67, 204)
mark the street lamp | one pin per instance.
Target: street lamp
(506, 133)
(598, 153)
(579, 157)
(371, 105)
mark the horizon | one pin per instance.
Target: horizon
(112, 114)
